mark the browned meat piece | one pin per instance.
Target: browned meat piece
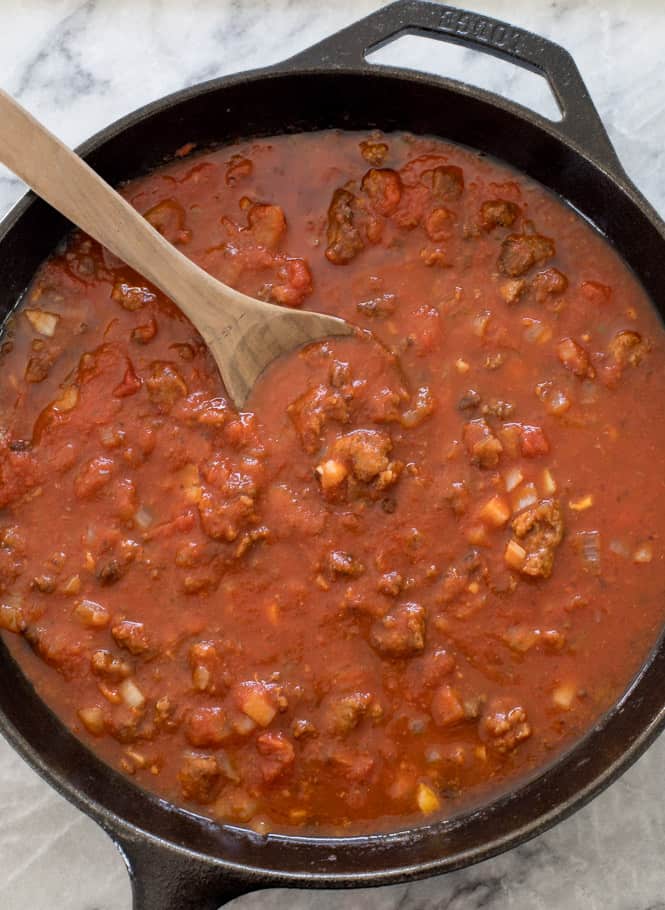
(539, 530)
(342, 713)
(313, 410)
(383, 188)
(267, 225)
(165, 385)
(109, 572)
(469, 400)
(341, 563)
(144, 333)
(513, 289)
(168, 217)
(200, 778)
(498, 408)
(93, 475)
(340, 374)
(519, 252)
(575, 358)
(367, 451)
(422, 407)
(391, 584)
(104, 664)
(498, 212)
(223, 514)
(278, 754)
(401, 633)
(504, 726)
(132, 636)
(446, 708)
(481, 443)
(38, 366)
(374, 153)
(549, 282)
(627, 349)
(439, 224)
(446, 181)
(131, 298)
(355, 766)
(207, 728)
(383, 305)
(344, 240)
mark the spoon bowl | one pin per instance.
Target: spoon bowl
(243, 334)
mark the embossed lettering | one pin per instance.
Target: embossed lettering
(483, 30)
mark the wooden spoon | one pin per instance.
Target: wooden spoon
(243, 334)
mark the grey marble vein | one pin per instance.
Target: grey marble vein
(80, 65)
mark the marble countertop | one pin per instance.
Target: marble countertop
(79, 64)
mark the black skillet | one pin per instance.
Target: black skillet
(177, 860)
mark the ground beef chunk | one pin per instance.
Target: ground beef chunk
(341, 563)
(391, 584)
(105, 665)
(366, 450)
(267, 225)
(132, 636)
(56, 649)
(344, 239)
(374, 153)
(207, 728)
(513, 289)
(627, 349)
(481, 443)
(200, 778)
(313, 410)
(503, 726)
(401, 632)
(446, 182)
(519, 252)
(383, 187)
(277, 752)
(342, 713)
(498, 213)
(380, 306)
(574, 358)
(539, 530)
(549, 282)
(165, 385)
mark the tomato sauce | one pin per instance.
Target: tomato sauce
(423, 562)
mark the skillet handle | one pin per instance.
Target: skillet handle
(580, 123)
(164, 879)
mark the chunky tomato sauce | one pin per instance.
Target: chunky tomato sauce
(424, 560)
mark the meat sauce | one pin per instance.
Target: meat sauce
(426, 558)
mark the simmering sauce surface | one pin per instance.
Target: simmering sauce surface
(424, 561)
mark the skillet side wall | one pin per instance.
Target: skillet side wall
(244, 107)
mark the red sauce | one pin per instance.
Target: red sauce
(421, 564)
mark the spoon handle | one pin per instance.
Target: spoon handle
(67, 183)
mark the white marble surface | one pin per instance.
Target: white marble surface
(79, 64)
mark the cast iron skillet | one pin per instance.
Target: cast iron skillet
(177, 860)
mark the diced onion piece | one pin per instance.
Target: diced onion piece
(190, 481)
(644, 553)
(581, 504)
(512, 479)
(548, 483)
(143, 517)
(11, 613)
(521, 638)
(588, 543)
(427, 799)
(200, 677)
(72, 586)
(42, 322)
(92, 719)
(256, 703)
(481, 753)
(524, 497)
(495, 512)
(564, 695)
(331, 473)
(92, 614)
(620, 548)
(514, 555)
(480, 323)
(131, 694)
(536, 331)
(461, 365)
(477, 535)
(67, 399)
